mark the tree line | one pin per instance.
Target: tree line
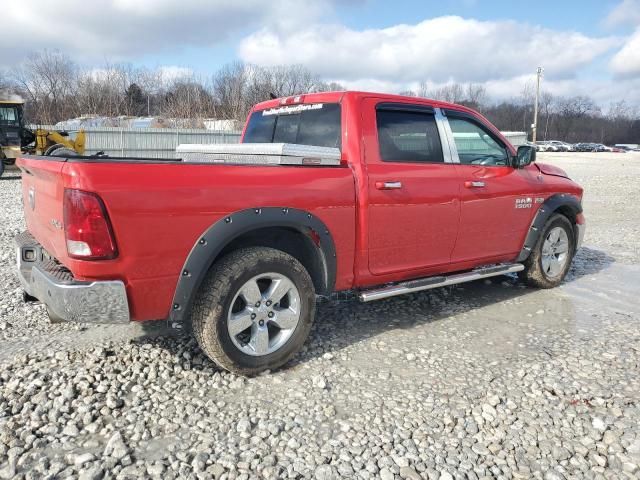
(55, 88)
(571, 119)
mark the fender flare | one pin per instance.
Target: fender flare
(548, 208)
(209, 245)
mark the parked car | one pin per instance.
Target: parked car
(338, 191)
(629, 147)
(600, 147)
(583, 147)
(562, 146)
(546, 146)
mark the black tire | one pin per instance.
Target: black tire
(214, 302)
(63, 152)
(1, 166)
(534, 274)
(53, 148)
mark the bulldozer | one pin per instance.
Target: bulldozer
(17, 139)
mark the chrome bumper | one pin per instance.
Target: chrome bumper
(67, 298)
(580, 229)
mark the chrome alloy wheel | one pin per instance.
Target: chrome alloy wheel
(264, 314)
(555, 252)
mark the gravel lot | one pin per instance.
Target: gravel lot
(485, 380)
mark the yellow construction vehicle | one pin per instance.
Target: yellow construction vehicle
(16, 138)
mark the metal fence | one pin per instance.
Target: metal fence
(147, 142)
(162, 142)
(516, 138)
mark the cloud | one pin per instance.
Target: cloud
(626, 12)
(127, 29)
(170, 73)
(626, 63)
(438, 49)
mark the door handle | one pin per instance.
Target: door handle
(473, 184)
(388, 185)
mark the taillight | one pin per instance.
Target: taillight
(86, 226)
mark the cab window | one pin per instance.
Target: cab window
(408, 136)
(476, 145)
(315, 124)
(9, 116)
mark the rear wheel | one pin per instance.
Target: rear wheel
(53, 148)
(254, 310)
(551, 256)
(63, 152)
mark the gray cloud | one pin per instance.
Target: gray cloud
(93, 30)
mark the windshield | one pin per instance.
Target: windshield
(9, 116)
(315, 124)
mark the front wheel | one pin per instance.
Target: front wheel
(551, 256)
(254, 310)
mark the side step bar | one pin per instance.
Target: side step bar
(439, 281)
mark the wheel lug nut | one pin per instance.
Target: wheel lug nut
(268, 303)
(261, 323)
(270, 314)
(257, 304)
(253, 316)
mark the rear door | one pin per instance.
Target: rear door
(413, 207)
(497, 200)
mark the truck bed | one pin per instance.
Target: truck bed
(159, 208)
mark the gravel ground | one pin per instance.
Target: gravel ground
(484, 380)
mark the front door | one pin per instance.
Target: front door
(413, 207)
(497, 200)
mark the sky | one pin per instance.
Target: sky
(589, 47)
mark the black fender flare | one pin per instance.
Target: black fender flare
(548, 208)
(209, 245)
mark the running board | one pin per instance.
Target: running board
(439, 281)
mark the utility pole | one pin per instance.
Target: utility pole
(534, 126)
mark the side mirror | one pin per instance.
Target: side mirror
(526, 155)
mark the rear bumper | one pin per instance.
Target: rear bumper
(67, 298)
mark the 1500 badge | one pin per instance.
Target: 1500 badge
(524, 202)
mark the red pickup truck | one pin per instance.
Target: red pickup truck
(380, 194)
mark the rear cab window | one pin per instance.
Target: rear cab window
(408, 134)
(316, 124)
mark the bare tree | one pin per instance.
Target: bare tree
(572, 110)
(47, 78)
(230, 87)
(329, 87)
(452, 92)
(476, 96)
(188, 99)
(547, 101)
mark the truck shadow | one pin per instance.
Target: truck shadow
(340, 323)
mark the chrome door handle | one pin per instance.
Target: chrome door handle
(474, 184)
(388, 185)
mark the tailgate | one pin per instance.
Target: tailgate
(42, 194)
